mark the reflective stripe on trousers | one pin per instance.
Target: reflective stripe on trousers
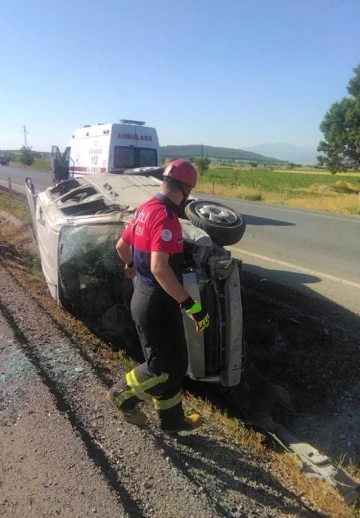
(166, 404)
(138, 389)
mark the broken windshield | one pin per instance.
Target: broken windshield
(92, 284)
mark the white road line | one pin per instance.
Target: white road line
(296, 267)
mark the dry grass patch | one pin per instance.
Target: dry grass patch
(321, 495)
(285, 467)
(230, 427)
(248, 193)
(320, 188)
(341, 203)
(346, 187)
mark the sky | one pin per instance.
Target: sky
(232, 73)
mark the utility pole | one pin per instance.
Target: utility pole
(24, 130)
(202, 152)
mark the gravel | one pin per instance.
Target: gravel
(44, 466)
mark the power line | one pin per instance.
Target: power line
(25, 132)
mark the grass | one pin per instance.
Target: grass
(284, 467)
(322, 191)
(42, 164)
(12, 205)
(36, 270)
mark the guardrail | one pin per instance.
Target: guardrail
(14, 188)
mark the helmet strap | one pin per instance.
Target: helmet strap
(186, 194)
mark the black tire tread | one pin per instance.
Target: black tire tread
(221, 235)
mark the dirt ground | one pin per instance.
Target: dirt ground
(66, 453)
(311, 348)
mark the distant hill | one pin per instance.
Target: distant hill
(288, 152)
(218, 153)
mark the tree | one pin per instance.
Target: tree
(354, 84)
(341, 129)
(26, 156)
(202, 164)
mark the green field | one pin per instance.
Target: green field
(288, 183)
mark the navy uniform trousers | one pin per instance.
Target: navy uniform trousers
(159, 323)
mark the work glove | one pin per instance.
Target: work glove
(196, 313)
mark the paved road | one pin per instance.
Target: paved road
(18, 175)
(314, 252)
(317, 253)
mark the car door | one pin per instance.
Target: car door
(60, 164)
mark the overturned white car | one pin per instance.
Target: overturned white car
(77, 224)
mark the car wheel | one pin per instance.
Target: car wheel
(225, 226)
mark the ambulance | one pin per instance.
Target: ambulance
(107, 148)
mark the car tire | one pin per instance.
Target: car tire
(156, 172)
(224, 225)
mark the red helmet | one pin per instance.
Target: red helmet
(182, 171)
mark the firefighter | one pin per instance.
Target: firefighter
(152, 249)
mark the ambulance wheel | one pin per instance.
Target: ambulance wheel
(225, 226)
